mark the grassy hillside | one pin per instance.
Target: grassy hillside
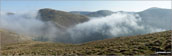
(8, 37)
(136, 45)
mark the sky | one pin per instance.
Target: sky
(77, 5)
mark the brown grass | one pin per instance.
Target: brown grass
(132, 45)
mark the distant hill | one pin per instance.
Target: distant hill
(80, 12)
(61, 18)
(157, 17)
(132, 45)
(8, 37)
(10, 13)
(100, 13)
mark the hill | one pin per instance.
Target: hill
(61, 18)
(80, 12)
(132, 45)
(157, 17)
(8, 37)
(100, 13)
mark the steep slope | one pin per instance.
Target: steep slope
(132, 45)
(8, 37)
(157, 17)
(61, 18)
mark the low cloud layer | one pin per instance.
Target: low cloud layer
(115, 25)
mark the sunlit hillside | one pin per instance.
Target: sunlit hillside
(136, 45)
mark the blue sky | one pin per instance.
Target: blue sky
(22, 6)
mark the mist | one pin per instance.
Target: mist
(27, 24)
(115, 25)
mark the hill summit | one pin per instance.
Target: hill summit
(61, 18)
